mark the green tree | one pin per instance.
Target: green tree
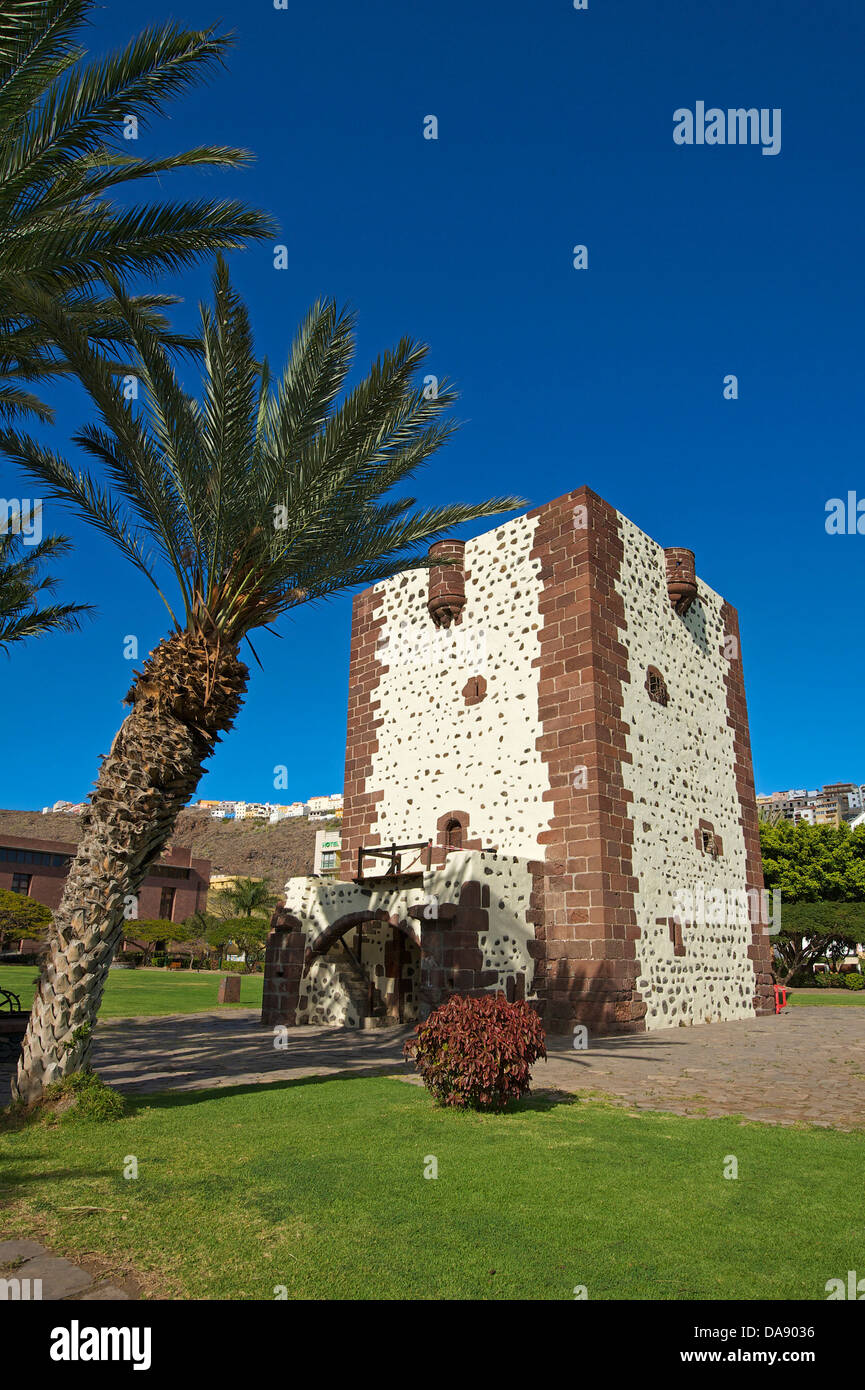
(243, 506)
(247, 934)
(23, 583)
(197, 926)
(22, 917)
(813, 931)
(814, 863)
(820, 873)
(62, 156)
(146, 932)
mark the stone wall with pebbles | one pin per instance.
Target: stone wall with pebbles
(436, 749)
(681, 773)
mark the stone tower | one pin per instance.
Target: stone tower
(556, 710)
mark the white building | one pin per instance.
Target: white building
(280, 813)
(317, 808)
(251, 810)
(217, 810)
(833, 803)
(324, 803)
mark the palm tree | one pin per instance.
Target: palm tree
(62, 153)
(237, 508)
(246, 896)
(21, 584)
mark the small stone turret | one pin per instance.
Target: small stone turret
(681, 577)
(447, 583)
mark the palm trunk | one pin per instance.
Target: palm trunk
(188, 693)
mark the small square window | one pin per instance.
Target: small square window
(708, 840)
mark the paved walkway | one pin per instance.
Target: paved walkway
(49, 1278)
(805, 1066)
(228, 1047)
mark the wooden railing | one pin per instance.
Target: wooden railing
(394, 854)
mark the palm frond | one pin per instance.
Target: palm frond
(37, 622)
(62, 156)
(84, 109)
(83, 493)
(265, 494)
(23, 581)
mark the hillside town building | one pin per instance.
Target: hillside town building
(547, 755)
(836, 803)
(317, 808)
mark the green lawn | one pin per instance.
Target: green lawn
(318, 1185)
(802, 997)
(131, 992)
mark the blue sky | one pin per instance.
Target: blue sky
(555, 128)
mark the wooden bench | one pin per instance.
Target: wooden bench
(13, 1025)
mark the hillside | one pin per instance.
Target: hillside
(273, 852)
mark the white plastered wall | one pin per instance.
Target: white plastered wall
(682, 771)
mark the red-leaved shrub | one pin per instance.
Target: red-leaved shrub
(477, 1052)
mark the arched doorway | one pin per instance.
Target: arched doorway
(377, 959)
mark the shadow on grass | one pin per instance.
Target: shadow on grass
(23, 1178)
(541, 1100)
(173, 1100)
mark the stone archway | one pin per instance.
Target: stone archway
(337, 930)
(352, 976)
(377, 956)
(414, 958)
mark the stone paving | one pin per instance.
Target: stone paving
(805, 1066)
(49, 1278)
